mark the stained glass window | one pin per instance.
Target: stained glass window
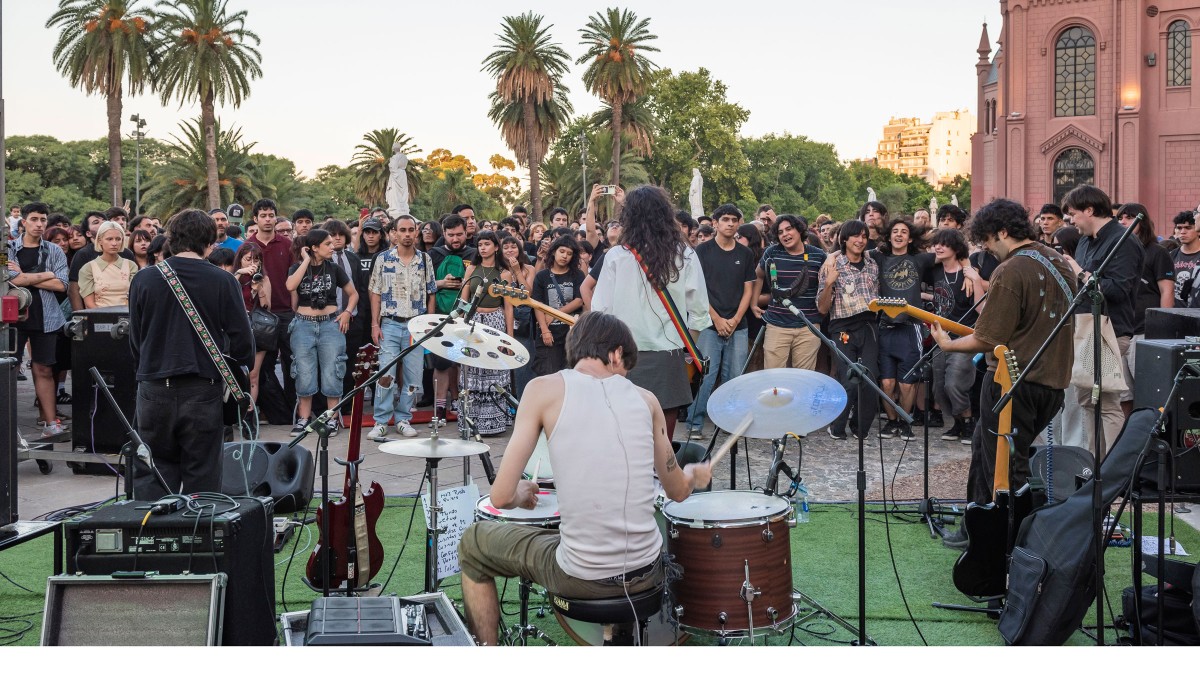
(1075, 73)
(1072, 167)
(1179, 54)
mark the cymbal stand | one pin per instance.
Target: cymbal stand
(733, 451)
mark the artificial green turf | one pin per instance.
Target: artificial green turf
(824, 554)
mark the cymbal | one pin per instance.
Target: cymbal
(780, 400)
(474, 345)
(431, 448)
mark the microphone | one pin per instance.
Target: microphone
(498, 389)
(787, 303)
(473, 305)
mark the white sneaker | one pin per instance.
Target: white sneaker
(53, 429)
(378, 433)
(405, 429)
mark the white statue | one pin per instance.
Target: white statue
(870, 194)
(954, 200)
(933, 206)
(397, 186)
(696, 193)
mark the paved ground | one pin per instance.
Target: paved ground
(828, 467)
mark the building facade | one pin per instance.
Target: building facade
(938, 150)
(1091, 91)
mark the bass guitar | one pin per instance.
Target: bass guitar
(355, 552)
(520, 297)
(981, 570)
(897, 307)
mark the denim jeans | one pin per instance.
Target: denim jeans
(317, 346)
(394, 337)
(726, 356)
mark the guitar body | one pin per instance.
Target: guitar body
(341, 547)
(982, 570)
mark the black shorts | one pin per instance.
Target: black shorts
(440, 363)
(899, 351)
(42, 345)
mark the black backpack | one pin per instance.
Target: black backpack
(1051, 576)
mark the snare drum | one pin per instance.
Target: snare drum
(728, 542)
(544, 515)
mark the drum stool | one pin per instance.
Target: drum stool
(614, 613)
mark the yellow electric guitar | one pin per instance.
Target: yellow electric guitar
(520, 297)
(896, 307)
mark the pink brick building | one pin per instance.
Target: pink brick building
(1091, 91)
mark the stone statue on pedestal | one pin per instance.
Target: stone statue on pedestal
(870, 194)
(397, 186)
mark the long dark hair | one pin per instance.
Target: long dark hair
(522, 257)
(1145, 228)
(648, 226)
(437, 233)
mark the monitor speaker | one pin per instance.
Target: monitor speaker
(269, 469)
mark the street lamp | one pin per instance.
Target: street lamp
(583, 159)
(138, 134)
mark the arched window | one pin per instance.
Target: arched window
(1075, 73)
(993, 123)
(987, 116)
(1179, 54)
(1072, 167)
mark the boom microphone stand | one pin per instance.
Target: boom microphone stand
(1091, 288)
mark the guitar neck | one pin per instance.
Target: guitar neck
(355, 439)
(538, 305)
(945, 323)
(1006, 372)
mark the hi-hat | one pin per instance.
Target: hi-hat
(434, 447)
(780, 400)
(470, 344)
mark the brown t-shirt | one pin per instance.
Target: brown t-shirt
(1024, 303)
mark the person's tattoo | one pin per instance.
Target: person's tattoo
(671, 464)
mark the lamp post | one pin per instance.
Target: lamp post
(139, 133)
(583, 159)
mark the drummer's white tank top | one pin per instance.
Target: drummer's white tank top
(602, 450)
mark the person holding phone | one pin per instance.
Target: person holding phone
(450, 262)
(256, 291)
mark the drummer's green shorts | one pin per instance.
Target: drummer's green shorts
(492, 549)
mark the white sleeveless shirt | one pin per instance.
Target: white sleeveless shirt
(602, 450)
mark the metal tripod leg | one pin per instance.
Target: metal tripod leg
(523, 630)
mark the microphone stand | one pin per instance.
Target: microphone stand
(859, 376)
(733, 451)
(135, 449)
(319, 426)
(1091, 288)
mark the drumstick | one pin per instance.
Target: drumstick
(729, 441)
(537, 468)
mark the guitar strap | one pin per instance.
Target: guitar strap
(210, 345)
(676, 317)
(1062, 282)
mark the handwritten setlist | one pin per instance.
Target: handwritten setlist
(457, 512)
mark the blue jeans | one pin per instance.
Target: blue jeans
(317, 345)
(394, 337)
(725, 358)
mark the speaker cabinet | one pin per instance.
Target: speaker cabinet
(101, 340)
(269, 469)
(1158, 361)
(151, 610)
(1172, 323)
(8, 441)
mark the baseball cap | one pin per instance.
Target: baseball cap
(235, 213)
(372, 225)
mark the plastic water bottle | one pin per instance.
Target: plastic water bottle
(800, 503)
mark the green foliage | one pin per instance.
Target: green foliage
(562, 176)
(331, 192)
(960, 186)
(697, 128)
(206, 53)
(182, 181)
(453, 187)
(797, 174)
(276, 178)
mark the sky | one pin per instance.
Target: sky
(332, 71)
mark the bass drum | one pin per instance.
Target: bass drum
(725, 541)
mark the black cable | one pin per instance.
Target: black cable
(295, 545)
(887, 527)
(408, 533)
(5, 577)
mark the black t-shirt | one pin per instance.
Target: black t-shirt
(597, 266)
(726, 274)
(1185, 275)
(544, 291)
(985, 264)
(323, 279)
(29, 260)
(86, 255)
(1156, 265)
(950, 299)
(160, 336)
(900, 277)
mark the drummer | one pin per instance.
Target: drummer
(607, 439)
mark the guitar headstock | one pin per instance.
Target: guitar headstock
(364, 362)
(1007, 368)
(891, 306)
(506, 290)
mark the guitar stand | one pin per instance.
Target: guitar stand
(994, 606)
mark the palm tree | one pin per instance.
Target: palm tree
(207, 54)
(527, 66)
(638, 124)
(370, 165)
(103, 45)
(617, 70)
(183, 181)
(276, 178)
(550, 119)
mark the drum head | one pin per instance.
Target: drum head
(728, 506)
(546, 511)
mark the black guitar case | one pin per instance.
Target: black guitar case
(1051, 577)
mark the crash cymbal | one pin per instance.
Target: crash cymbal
(470, 344)
(434, 448)
(780, 400)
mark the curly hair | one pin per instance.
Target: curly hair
(1001, 214)
(915, 234)
(648, 227)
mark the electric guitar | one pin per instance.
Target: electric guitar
(981, 571)
(354, 548)
(520, 297)
(896, 307)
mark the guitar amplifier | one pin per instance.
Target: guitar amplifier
(1158, 362)
(101, 340)
(1172, 323)
(233, 536)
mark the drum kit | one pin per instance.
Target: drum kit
(734, 546)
